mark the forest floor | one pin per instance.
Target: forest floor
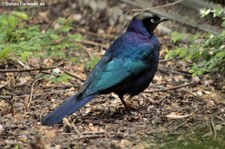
(175, 111)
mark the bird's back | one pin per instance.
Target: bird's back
(139, 82)
(132, 46)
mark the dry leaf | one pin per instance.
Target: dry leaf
(43, 16)
(175, 115)
(23, 80)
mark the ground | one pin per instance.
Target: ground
(175, 111)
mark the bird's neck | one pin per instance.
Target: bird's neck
(138, 27)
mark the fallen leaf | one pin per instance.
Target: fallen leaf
(175, 115)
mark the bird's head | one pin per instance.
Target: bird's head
(149, 20)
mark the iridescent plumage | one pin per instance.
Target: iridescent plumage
(127, 67)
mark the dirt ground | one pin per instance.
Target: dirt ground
(175, 111)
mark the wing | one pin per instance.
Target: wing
(94, 72)
(111, 71)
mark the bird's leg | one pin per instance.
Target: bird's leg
(125, 105)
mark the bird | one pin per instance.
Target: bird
(126, 68)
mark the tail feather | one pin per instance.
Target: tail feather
(67, 108)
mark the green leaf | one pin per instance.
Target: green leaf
(219, 10)
(21, 15)
(205, 54)
(39, 75)
(54, 36)
(61, 20)
(182, 52)
(171, 54)
(58, 53)
(12, 21)
(63, 78)
(29, 42)
(221, 54)
(74, 60)
(65, 29)
(92, 62)
(25, 55)
(205, 12)
(223, 24)
(50, 77)
(177, 36)
(4, 53)
(37, 46)
(3, 21)
(76, 37)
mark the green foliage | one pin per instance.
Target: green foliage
(217, 12)
(54, 77)
(177, 36)
(206, 51)
(26, 42)
(16, 146)
(21, 41)
(92, 62)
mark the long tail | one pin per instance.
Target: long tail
(67, 108)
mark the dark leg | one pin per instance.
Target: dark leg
(125, 105)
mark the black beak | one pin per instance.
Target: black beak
(163, 20)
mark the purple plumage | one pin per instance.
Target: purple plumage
(127, 67)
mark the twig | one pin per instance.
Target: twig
(164, 70)
(92, 43)
(22, 64)
(161, 6)
(197, 97)
(71, 125)
(85, 49)
(5, 97)
(75, 128)
(3, 85)
(32, 91)
(171, 88)
(73, 75)
(94, 34)
(166, 60)
(182, 124)
(220, 118)
(66, 86)
(26, 70)
(49, 26)
(91, 136)
(214, 129)
(97, 133)
(24, 95)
